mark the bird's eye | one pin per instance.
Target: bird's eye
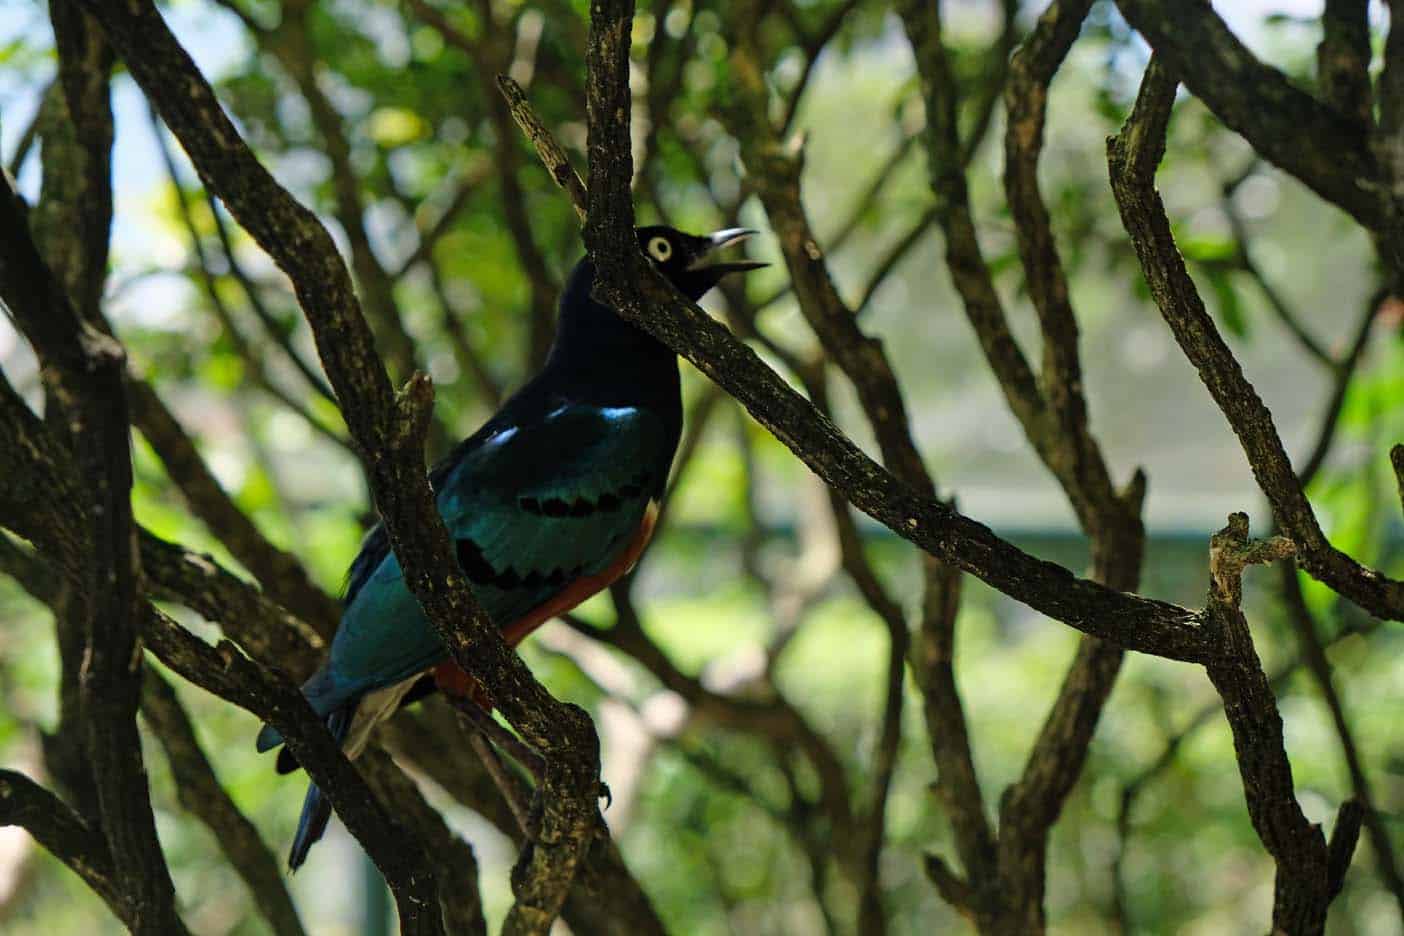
(659, 249)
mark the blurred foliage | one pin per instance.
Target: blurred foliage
(714, 857)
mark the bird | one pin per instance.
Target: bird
(548, 502)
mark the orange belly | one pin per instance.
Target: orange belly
(454, 681)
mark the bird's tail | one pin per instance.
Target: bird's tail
(315, 813)
(316, 808)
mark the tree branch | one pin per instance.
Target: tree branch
(291, 45)
(1307, 873)
(271, 326)
(83, 368)
(252, 359)
(200, 792)
(1128, 621)
(224, 671)
(1343, 58)
(490, 55)
(1244, 261)
(964, 258)
(1313, 652)
(552, 156)
(263, 629)
(1064, 440)
(1133, 156)
(1326, 149)
(389, 430)
(452, 859)
(775, 718)
(64, 834)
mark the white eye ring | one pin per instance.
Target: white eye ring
(659, 249)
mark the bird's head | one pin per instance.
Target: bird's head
(681, 257)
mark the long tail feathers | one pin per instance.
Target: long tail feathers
(316, 808)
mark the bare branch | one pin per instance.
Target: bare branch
(1396, 460)
(1125, 620)
(64, 834)
(430, 234)
(1074, 458)
(812, 45)
(271, 327)
(775, 174)
(1326, 149)
(1307, 874)
(1313, 652)
(952, 888)
(389, 429)
(200, 792)
(455, 866)
(894, 256)
(252, 360)
(552, 156)
(1133, 156)
(463, 351)
(1345, 369)
(83, 368)
(265, 630)
(772, 718)
(30, 134)
(1244, 261)
(604, 898)
(1343, 58)
(1202, 718)
(490, 54)
(225, 672)
(1110, 517)
(956, 782)
(292, 47)
(964, 258)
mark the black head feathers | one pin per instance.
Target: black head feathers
(594, 345)
(681, 257)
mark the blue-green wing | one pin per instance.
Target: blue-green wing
(531, 509)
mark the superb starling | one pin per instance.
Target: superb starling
(550, 501)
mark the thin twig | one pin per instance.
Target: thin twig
(894, 257)
(552, 156)
(1396, 460)
(273, 329)
(1275, 300)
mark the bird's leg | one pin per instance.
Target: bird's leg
(483, 731)
(513, 790)
(488, 726)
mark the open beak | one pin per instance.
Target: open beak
(711, 243)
